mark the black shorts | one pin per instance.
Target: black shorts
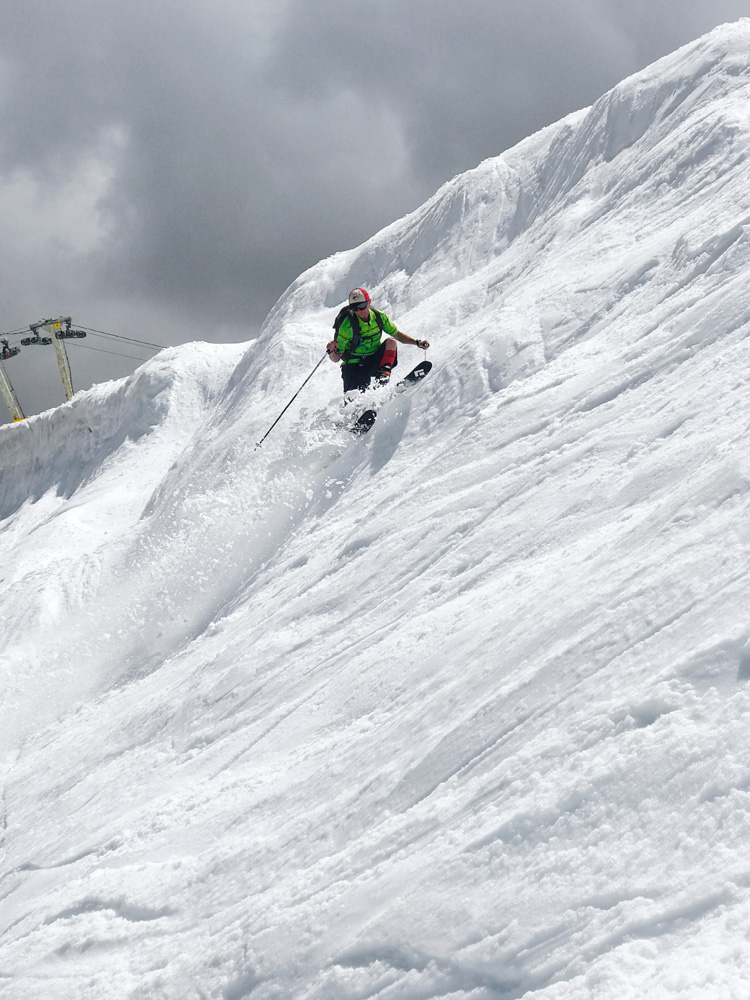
(359, 374)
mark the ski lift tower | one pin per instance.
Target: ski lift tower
(6, 389)
(59, 331)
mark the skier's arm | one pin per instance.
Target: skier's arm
(337, 347)
(404, 338)
(332, 350)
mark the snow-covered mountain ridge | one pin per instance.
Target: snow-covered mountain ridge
(457, 709)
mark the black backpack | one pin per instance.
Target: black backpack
(356, 334)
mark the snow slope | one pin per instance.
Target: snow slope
(458, 709)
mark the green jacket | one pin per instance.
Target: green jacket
(369, 333)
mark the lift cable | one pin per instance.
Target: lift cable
(15, 333)
(100, 350)
(119, 336)
(101, 333)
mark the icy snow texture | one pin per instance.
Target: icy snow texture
(458, 709)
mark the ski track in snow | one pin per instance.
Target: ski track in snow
(457, 709)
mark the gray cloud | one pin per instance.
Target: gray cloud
(167, 169)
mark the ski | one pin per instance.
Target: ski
(365, 421)
(415, 375)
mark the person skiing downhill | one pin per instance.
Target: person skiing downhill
(357, 343)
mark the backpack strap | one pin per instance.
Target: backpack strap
(342, 314)
(347, 313)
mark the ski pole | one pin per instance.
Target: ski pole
(290, 402)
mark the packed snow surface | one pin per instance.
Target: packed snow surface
(457, 709)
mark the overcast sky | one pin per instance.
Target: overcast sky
(168, 167)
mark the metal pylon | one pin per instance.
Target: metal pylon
(8, 394)
(55, 327)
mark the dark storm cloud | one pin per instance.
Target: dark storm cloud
(467, 80)
(658, 27)
(227, 145)
(228, 181)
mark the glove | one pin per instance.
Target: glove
(423, 344)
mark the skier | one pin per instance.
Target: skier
(357, 343)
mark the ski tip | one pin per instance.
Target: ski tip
(365, 422)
